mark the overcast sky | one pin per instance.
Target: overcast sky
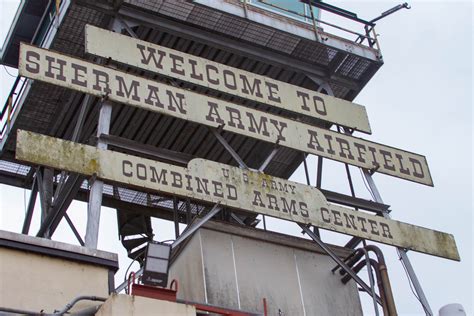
(420, 100)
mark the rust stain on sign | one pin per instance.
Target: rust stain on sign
(237, 188)
(98, 80)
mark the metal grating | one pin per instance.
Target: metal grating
(231, 25)
(70, 38)
(153, 5)
(177, 9)
(204, 17)
(14, 168)
(347, 65)
(359, 69)
(283, 42)
(258, 34)
(339, 90)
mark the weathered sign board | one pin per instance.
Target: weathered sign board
(245, 84)
(233, 187)
(58, 69)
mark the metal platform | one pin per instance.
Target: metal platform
(190, 27)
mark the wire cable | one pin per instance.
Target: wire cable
(6, 70)
(411, 284)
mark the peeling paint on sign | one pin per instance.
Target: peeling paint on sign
(237, 188)
(149, 95)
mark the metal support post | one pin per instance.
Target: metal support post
(341, 263)
(72, 185)
(229, 148)
(47, 192)
(95, 194)
(75, 137)
(31, 207)
(319, 177)
(268, 160)
(175, 217)
(74, 230)
(308, 182)
(188, 212)
(401, 252)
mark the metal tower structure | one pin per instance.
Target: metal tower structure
(255, 39)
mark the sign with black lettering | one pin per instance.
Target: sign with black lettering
(201, 71)
(233, 187)
(58, 69)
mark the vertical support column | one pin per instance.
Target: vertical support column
(95, 194)
(47, 184)
(402, 253)
(175, 217)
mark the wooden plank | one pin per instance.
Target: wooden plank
(173, 63)
(51, 67)
(232, 187)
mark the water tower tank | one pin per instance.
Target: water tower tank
(452, 310)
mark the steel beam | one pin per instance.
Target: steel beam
(74, 230)
(71, 187)
(175, 217)
(338, 260)
(229, 148)
(47, 183)
(268, 160)
(161, 154)
(95, 197)
(75, 137)
(402, 252)
(30, 209)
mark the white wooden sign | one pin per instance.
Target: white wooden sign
(245, 84)
(233, 187)
(58, 69)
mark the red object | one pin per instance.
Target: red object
(156, 292)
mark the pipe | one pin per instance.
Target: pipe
(77, 299)
(18, 311)
(89, 311)
(385, 279)
(375, 265)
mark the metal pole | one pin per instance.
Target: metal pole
(31, 207)
(371, 280)
(175, 217)
(47, 185)
(341, 263)
(95, 194)
(401, 252)
(229, 148)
